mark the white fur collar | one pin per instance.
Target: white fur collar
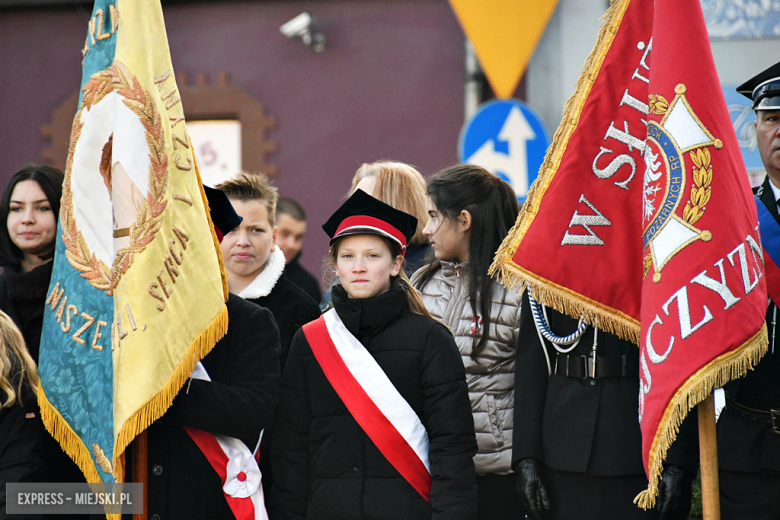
(264, 283)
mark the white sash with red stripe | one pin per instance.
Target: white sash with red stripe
(371, 398)
(235, 465)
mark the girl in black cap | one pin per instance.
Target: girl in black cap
(374, 420)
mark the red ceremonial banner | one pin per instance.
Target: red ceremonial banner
(642, 221)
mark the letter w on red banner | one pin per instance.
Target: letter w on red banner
(642, 221)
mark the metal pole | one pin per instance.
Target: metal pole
(472, 94)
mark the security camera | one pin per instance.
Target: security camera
(301, 27)
(298, 26)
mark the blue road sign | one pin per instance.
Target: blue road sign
(507, 138)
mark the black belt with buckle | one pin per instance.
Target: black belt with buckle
(766, 419)
(581, 367)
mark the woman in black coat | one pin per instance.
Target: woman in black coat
(325, 463)
(238, 402)
(30, 207)
(236, 399)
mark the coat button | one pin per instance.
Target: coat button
(354, 470)
(157, 470)
(155, 517)
(593, 382)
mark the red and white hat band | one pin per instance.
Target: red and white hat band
(364, 224)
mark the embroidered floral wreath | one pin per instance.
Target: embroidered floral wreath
(119, 79)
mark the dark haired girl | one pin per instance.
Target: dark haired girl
(470, 211)
(30, 207)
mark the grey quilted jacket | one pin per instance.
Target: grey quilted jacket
(491, 379)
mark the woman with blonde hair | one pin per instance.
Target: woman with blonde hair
(20, 426)
(401, 186)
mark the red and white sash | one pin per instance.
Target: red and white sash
(235, 465)
(371, 398)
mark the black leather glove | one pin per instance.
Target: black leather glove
(674, 494)
(530, 489)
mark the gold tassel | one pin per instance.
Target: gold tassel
(552, 160)
(71, 443)
(569, 302)
(698, 387)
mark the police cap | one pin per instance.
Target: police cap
(763, 89)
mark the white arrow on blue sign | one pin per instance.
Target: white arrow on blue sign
(507, 138)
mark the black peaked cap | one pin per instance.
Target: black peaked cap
(363, 204)
(768, 95)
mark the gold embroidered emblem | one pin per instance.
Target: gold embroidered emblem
(102, 460)
(679, 132)
(147, 221)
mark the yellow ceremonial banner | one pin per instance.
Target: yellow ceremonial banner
(138, 289)
(504, 34)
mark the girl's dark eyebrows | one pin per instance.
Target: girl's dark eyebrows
(39, 201)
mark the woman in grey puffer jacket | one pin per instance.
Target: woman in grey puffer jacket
(470, 212)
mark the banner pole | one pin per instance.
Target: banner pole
(141, 470)
(708, 452)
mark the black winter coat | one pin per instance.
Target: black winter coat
(292, 308)
(21, 429)
(748, 447)
(298, 275)
(417, 255)
(239, 401)
(326, 467)
(21, 452)
(583, 425)
(28, 320)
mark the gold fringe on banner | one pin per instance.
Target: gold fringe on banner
(696, 389)
(565, 300)
(516, 278)
(151, 410)
(155, 407)
(71, 443)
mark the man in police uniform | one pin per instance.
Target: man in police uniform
(577, 447)
(749, 428)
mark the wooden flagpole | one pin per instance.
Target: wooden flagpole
(141, 470)
(708, 453)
